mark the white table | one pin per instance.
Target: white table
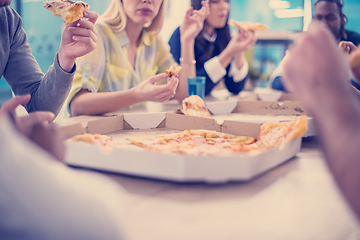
(297, 200)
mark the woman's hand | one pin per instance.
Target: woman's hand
(149, 91)
(194, 21)
(241, 42)
(78, 39)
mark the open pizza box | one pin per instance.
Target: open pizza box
(248, 108)
(136, 161)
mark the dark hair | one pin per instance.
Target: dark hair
(222, 40)
(340, 4)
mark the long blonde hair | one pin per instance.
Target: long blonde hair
(116, 17)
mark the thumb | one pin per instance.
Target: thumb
(157, 78)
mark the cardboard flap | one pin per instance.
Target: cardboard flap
(222, 107)
(176, 121)
(262, 107)
(106, 125)
(241, 129)
(144, 120)
(69, 131)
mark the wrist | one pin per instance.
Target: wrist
(187, 42)
(135, 94)
(225, 57)
(65, 63)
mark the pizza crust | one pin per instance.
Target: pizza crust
(247, 26)
(205, 142)
(70, 11)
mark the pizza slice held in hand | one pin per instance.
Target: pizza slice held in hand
(247, 26)
(70, 11)
(173, 71)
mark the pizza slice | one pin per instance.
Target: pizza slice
(105, 143)
(195, 106)
(247, 26)
(70, 11)
(277, 134)
(173, 71)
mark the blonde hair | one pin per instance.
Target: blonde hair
(116, 18)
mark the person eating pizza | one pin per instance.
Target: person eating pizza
(21, 71)
(218, 56)
(121, 72)
(330, 14)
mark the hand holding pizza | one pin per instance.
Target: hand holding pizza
(194, 21)
(149, 91)
(241, 42)
(78, 39)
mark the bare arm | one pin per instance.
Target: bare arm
(191, 27)
(89, 103)
(240, 43)
(322, 84)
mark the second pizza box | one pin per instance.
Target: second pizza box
(250, 109)
(133, 160)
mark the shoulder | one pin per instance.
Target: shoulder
(9, 18)
(104, 30)
(353, 37)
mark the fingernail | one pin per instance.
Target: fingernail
(86, 14)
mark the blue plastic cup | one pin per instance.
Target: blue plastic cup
(196, 86)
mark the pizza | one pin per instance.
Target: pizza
(173, 71)
(195, 106)
(105, 143)
(205, 142)
(70, 11)
(247, 26)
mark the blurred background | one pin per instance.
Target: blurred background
(285, 19)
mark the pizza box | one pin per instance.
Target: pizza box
(136, 161)
(249, 109)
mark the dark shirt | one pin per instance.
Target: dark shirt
(352, 36)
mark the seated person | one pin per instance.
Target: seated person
(21, 71)
(217, 55)
(330, 13)
(120, 72)
(316, 73)
(40, 197)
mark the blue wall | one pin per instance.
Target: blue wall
(44, 30)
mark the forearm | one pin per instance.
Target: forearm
(340, 137)
(87, 103)
(239, 60)
(225, 57)
(187, 68)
